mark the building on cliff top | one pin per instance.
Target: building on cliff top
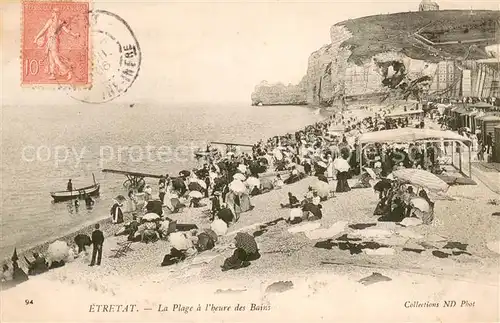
(428, 5)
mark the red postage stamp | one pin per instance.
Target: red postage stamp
(55, 43)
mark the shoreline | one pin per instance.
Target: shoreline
(105, 222)
(106, 227)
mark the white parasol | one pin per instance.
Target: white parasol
(242, 168)
(239, 177)
(334, 133)
(252, 182)
(196, 194)
(151, 217)
(341, 165)
(277, 154)
(57, 251)
(371, 172)
(421, 178)
(322, 164)
(322, 188)
(202, 183)
(421, 204)
(237, 186)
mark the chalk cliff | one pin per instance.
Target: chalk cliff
(280, 94)
(396, 54)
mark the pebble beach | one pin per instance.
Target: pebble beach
(321, 277)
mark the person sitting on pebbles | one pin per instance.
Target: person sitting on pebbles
(296, 216)
(225, 214)
(292, 201)
(278, 182)
(312, 212)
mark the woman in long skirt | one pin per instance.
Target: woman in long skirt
(245, 203)
(233, 203)
(342, 184)
(330, 169)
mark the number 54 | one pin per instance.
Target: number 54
(32, 66)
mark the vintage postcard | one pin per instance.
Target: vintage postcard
(250, 161)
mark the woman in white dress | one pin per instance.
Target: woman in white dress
(475, 143)
(132, 203)
(330, 169)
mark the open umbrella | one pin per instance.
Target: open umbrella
(371, 172)
(202, 183)
(242, 168)
(184, 173)
(151, 217)
(237, 186)
(334, 133)
(57, 251)
(195, 186)
(322, 164)
(196, 194)
(341, 165)
(421, 204)
(239, 177)
(246, 242)
(422, 178)
(322, 188)
(120, 198)
(82, 240)
(252, 182)
(277, 154)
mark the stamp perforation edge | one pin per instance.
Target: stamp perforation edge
(90, 65)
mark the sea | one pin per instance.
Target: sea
(44, 146)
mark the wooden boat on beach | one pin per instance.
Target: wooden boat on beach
(61, 196)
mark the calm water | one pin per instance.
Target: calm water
(43, 147)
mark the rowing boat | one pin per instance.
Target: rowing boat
(92, 190)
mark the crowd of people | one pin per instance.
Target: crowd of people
(229, 179)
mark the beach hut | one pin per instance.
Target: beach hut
(460, 115)
(407, 135)
(489, 122)
(471, 121)
(496, 144)
(478, 119)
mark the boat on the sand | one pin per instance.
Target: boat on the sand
(61, 196)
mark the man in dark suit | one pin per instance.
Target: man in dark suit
(97, 241)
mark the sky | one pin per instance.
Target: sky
(210, 51)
